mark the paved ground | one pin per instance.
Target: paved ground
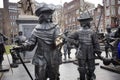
(68, 71)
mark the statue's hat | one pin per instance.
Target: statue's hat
(85, 17)
(44, 8)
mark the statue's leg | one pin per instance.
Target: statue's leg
(106, 50)
(14, 60)
(69, 52)
(1, 60)
(54, 72)
(65, 51)
(82, 69)
(40, 72)
(91, 67)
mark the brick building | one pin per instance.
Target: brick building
(71, 13)
(8, 16)
(13, 16)
(99, 18)
(6, 21)
(58, 16)
(112, 12)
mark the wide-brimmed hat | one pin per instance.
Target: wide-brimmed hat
(85, 17)
(44, 8)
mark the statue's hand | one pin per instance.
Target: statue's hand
(58, 41)
(18, 48)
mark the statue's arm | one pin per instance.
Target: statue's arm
(30, 43)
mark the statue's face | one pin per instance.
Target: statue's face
(45, 17)
(85, 24)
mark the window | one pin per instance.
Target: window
(119, 10)
(73, 19)
(107, 2)
(112, 2)
(107, 12)
(10, 17)
(113, 10)
(66, 22)
(98, 10)
(107, 21)
(69, 20)
(77, 11)
(66, 16)
(78, 17)
(15, 17)
(11, 23)
(13, 10)
(70, 7)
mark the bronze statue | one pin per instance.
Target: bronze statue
(87, 45)
(27, 7)
(47, 56)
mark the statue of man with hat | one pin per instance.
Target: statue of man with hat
(87, 45)
(47, 56)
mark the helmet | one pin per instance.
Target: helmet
(85, 17)
(44, 8)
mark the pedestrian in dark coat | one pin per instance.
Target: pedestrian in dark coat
(107, 40)
(66, 46)
(3, 38)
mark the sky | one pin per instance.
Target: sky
(56, 2)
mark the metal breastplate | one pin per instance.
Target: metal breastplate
(85, 37)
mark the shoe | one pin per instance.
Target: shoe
(14, 65)
(0, 67)
(64, 59)
(69, 57)
(78, 78)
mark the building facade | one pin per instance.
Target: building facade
(8, 16)
(112, 12)
(99, 21)
(6, 21)
(71, 14)
(58, 16)
(72, 11)
(13, 16)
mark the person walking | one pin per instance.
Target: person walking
(3, 38)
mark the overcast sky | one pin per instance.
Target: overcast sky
(56, 2)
